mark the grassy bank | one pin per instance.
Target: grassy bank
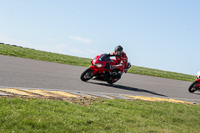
(72, 60)
(117, 116)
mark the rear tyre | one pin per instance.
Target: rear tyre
(86, 75)
(192, 87)
(111, 80)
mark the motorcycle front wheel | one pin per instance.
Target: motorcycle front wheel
(86, 75)
(192, 87)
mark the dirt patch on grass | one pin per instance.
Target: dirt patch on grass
(83, 101)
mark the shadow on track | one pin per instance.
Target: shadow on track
(196, 93)
(128, 88)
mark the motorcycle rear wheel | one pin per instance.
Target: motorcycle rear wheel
(192, 87)
(111, 80)
(86, 75)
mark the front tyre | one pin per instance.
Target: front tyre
(192, 87)
(86, 75)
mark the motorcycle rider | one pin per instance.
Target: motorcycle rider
(122, 61)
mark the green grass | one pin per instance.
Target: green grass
(42, 55)
(161, 73)
(113, 116)
(72, 60)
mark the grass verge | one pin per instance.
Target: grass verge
(117, 116)
(72, 60)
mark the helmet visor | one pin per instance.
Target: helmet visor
(118, 53)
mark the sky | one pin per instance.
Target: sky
(159, 34)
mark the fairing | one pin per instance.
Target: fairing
(103, 59)
(198, 80)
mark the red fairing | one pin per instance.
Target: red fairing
(94, 69)
(198, 80)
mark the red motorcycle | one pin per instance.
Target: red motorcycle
(100, 70)
(195, 85)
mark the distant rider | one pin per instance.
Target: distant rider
(122, 61)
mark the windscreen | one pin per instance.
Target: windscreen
(104, 57)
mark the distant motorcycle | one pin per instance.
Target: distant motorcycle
(100, 70)
(195, 85)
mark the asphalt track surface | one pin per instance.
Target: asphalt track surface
(27, 73)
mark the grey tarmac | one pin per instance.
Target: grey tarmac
(27, 73)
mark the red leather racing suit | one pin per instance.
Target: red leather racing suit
(122, 61)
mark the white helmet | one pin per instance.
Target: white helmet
(198, 75)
